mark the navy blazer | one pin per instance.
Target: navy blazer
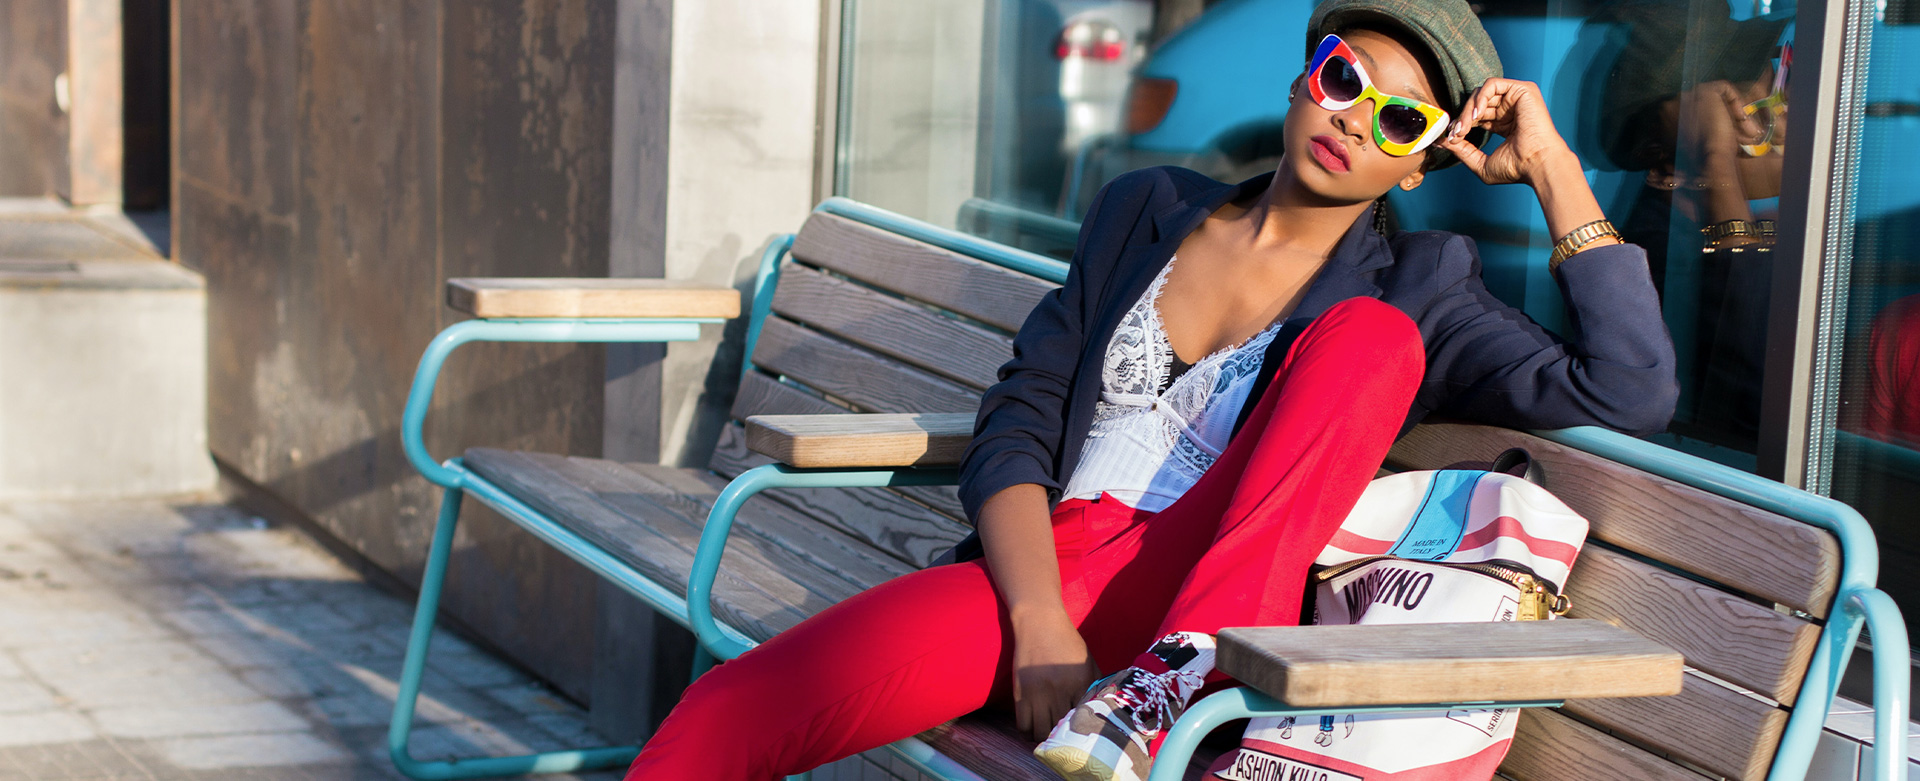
(1486, 361)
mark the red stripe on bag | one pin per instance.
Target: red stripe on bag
(1354, 543)
(1509, 526)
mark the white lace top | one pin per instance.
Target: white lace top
(1152, 439)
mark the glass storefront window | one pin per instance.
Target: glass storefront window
(1004, 117)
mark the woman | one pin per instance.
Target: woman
(1207, 422)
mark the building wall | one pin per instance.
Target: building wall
(33, 129)
(335, 161)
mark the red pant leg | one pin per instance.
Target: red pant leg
(1240, 542)
(893, 661)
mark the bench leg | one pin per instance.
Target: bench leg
(400, 731)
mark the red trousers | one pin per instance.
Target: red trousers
(924, 648)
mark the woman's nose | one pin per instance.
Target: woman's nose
(1356, 119)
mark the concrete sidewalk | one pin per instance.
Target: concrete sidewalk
(154, 640)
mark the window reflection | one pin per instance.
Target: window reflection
(1697, 100)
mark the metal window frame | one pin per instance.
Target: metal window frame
(1800, 383)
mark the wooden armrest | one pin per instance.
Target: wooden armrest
(869, 440)
(590, 297)
(1411, 664)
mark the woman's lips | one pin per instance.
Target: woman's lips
(1330, 153)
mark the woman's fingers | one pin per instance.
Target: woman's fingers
(1497, 105)
(1470, 155)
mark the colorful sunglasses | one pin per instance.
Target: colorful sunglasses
(1401, 126)
(1774, 104)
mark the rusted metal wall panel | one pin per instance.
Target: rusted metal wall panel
(33, 129)
(526, 108)
(336, 161)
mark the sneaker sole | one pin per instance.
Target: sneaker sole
(1074, 763)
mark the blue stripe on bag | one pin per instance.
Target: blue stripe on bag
(1442, 517)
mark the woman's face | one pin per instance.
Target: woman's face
(1332, 153)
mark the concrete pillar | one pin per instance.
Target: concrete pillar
(740, 170)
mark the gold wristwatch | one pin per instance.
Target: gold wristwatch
(1726, 228)
(1578, 239)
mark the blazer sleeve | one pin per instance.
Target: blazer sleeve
(1018, 432)
(1492, 363)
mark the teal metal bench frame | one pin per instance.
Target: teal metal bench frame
(1858, 603)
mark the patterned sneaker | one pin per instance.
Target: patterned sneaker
(1112, 734)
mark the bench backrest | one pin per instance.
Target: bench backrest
(866, 316)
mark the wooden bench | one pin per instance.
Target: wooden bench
(807, 501)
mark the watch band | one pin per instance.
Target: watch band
(1726, 228)
(1577, 239)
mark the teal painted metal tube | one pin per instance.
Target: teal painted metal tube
(1859, 569)
(1891, 680)
(420, 396)
(930, 762)
(399, 731)
(763, 285)
(721, 641)
(972, 246)
(1243, 702)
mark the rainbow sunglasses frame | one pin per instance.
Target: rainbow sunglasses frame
(1332, 46)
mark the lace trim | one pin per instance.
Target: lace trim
(1139, 359)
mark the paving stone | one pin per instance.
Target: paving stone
(56, 726)
(180, 721)
(533, 698)
(439, 743)
(230, 751)
(252, 591)
(20, 694)
(306, 681)
(373, 610)
(243, 651)
(473, 669)
(205, 687)
(59, 664)
(26, 629)
(90, 759)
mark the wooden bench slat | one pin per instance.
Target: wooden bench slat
(760, 394)
(761, 607)
(1748, 644)
(1710, 725)
(590, 297)
(870, 440)
(949, 280)
(1745, 548)
(1411, 664)
(862, 377)
(910, 333)
(1552, 747)
(885, 519)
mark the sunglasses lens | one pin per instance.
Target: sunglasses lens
(1402, 124)
(1339, 80)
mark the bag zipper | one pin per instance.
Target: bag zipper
(1536, 602)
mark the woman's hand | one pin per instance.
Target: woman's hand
(1516, 111)
(1051, 669)
(1533, 153)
